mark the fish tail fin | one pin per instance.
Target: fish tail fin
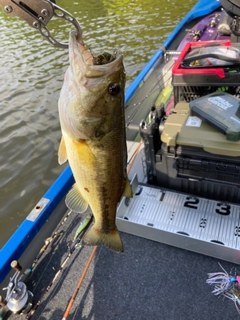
(112, 240)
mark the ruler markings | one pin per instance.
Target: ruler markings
(202, 219)
(237, 229)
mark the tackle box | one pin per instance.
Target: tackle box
(193, 157)
(192, 83)
(222, 111)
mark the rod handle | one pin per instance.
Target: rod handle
(15, 265)
(2, 302)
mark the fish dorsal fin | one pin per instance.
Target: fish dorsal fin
(62, 152)
(128, 189)
(74, 200)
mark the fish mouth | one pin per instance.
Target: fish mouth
(92, 65)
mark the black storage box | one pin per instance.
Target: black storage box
(191, 170)
(193, 157)
(193, 83)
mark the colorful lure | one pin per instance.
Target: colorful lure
(84, 224)
(226, 285)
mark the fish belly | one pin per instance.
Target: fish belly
(98, 169)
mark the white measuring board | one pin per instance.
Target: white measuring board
(189, 222)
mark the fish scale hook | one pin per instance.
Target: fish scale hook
(62, 14)
(38, 14)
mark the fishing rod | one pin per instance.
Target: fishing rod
(136, 106)
(74, 295)
(18, 298)
(197, 33)
(82, 277)
(76, 244)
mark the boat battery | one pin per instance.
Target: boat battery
(220, 110)
(192, 78)
(196, 158)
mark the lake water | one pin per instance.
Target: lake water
(31, 77)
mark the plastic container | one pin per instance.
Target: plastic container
(193, 157)
(193, 83)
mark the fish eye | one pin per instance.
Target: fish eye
(113, 89)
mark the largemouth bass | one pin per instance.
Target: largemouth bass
(91, 112)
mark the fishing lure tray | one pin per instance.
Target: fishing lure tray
(192, 83)
(191, 156)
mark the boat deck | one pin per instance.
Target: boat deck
(149, 280)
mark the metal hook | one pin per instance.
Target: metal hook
(38, 13)
(62, 14)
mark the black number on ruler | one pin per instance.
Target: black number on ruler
(203, 223)
(237, 231)
(224, 209)
(191, 202)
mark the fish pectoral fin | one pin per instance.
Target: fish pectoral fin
(112, 240)
(75, 201)
(62, 152)
(128, 189)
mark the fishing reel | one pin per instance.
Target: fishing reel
(232, 7)
(18, 298)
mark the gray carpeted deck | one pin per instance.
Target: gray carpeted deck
(148, 281)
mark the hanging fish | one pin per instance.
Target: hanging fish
(92, 118)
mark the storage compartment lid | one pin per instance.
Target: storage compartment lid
(181, 128)
(222, 111)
